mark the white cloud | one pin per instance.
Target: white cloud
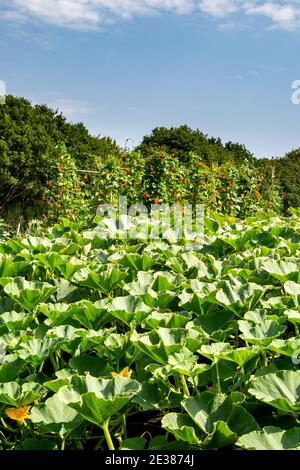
(70, 107)
(85, 14)
(284, 16)
(219, 7)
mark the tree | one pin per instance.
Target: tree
(29, 140)
(288, 172)
(182, 140)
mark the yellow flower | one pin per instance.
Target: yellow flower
(123, 373)
(18, 414)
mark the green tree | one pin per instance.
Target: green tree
(29, 140)
(182, 141)
(288, 173)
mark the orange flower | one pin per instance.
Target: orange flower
(156, 200)
(124, 373)
(18, 414)
(257, 195)
(152, 168)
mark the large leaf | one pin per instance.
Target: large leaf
(257, 328)
(283, 270)
(29, 294)
(271, 438)
(130, 310)
(11, 393)
(280, 389)
(55, 416)
(161, 343)
(220, 417)
(182, 427)
(98, 399)
(103, 281)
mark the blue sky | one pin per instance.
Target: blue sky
(124, 67)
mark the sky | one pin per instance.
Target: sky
(125, 67)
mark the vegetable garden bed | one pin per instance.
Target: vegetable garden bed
(135, 344)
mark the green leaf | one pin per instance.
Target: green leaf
(283, 270)
(257, 329)
(271, 438)
(161, 343)
(182, 427)
(92, 365)
(292, 288)
(98, 399)
(133, 443)
(103, 281)
(36, 444)
(130, 310)
(11, 393)
(280, 389)
(220, 417)
(55, 416)
(29, 294)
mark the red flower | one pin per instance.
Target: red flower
(257, 195)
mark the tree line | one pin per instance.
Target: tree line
(31, 140)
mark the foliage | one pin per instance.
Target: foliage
(160, 177)
(29, 136)
(155, 178)
(110, 341)
(183, 140)
(4, 230)
(288, 171)
(63, 192)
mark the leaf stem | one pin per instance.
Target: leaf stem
(107, 435)
(54, 365)
(185, 388)
(218, 378)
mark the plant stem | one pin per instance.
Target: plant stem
(63, 442)
(107, 435)
(124, 425)
(185, 388)
(218, 378)
(177, 383)
(265, 359)
(54, 365)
